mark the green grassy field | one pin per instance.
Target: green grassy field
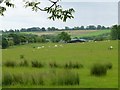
(74, 33)
(85, 53)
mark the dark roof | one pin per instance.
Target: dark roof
(76, 40)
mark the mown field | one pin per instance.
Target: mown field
(74, 33)
(52, 72)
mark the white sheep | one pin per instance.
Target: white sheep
(43, 46)
(111, 47)
(56, 46)
(61, 45)
(38, 47)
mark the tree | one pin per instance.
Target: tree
(103, 27)
(64, 36)
(43, 29)
(99, 27)
(82, 28)
(91, 27)
(67, 28)
(16, 38)
(4, 43)
(55, 11)
(115, 32)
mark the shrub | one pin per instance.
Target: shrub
(10, 64)
(37, 64)
(108, 65)
(98, 70)
(24, 63)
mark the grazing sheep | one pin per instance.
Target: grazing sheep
(111, 47)
(38, 47)
(56, 46)
(43, 46)
(61, 45)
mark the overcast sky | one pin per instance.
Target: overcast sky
(89, 12)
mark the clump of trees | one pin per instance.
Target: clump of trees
(115, 32)
(11, 39)
(43, 29)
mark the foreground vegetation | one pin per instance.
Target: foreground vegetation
(67, 65)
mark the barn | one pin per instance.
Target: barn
(77, 40)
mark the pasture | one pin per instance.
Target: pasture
(73, 33)
(86, 54)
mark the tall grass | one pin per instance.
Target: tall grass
(98, 69)
(60, 78)
(7, 79)
(53, 65)
(66, 78)
(37, 64)
(10, 64)
(24, 63)
(109, 65)
(73, 65)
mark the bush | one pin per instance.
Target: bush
(24, 63)
(37, 64)
(10, 64)
(98, 70)
(73, 65)
(108, 65)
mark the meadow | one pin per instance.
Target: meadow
(35, 66)
(73, 33)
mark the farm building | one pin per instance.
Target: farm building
(77, 40)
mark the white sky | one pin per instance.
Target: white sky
(89, 12)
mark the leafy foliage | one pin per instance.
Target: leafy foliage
(4, 43)
(55, 11)
(3, 9)
(64, 36)
(115, 32)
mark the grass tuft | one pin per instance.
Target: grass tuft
(109, 65)
(98, 70)
(37, 64)
(73, 65)
(10, 64)
(24, 63)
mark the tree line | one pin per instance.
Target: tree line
(37, 29)
(11, 39)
